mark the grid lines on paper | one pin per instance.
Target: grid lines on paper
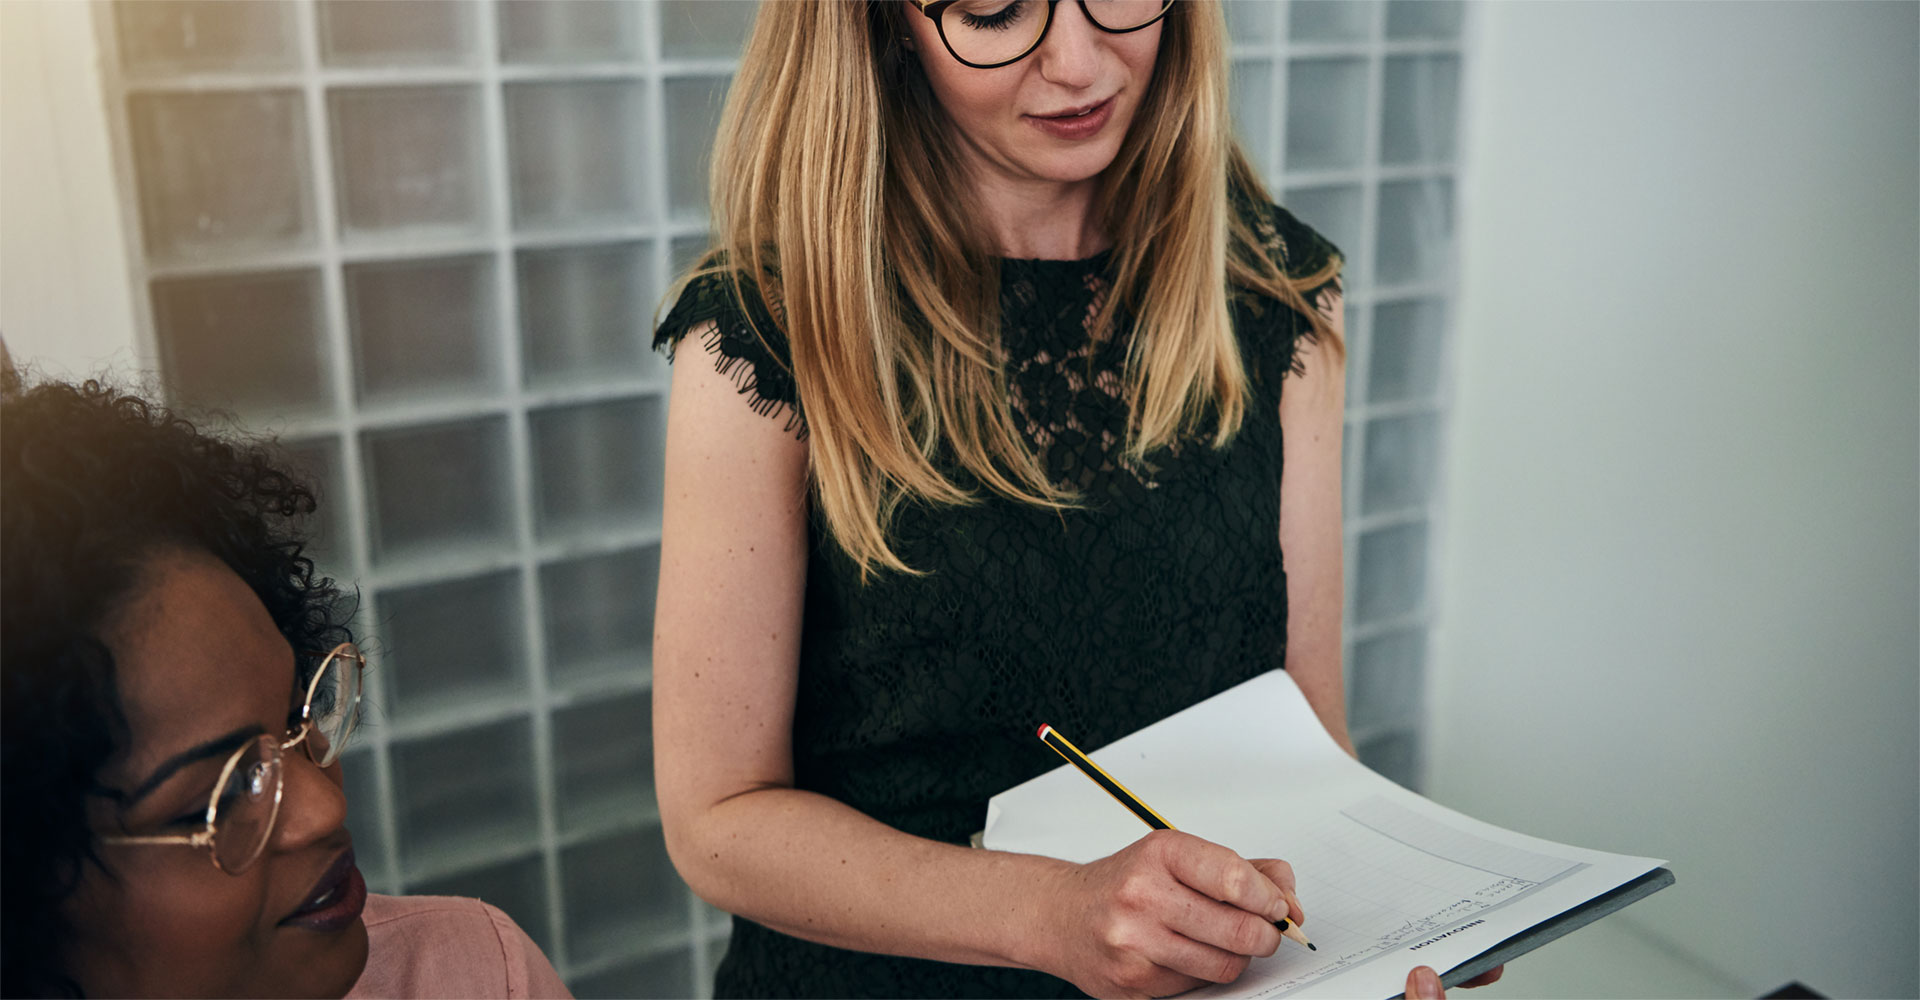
(1379, 875)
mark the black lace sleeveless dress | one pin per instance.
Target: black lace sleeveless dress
(919, 696)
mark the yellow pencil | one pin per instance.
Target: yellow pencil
(1065, 748)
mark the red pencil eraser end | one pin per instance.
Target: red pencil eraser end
(1042, 731)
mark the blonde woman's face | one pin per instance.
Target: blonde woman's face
(1058, 114)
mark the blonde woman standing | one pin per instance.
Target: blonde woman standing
(979, 421)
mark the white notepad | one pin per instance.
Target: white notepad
(1389, 880)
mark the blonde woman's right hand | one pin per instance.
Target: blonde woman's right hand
(1170, 913)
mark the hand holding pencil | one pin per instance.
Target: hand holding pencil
(1112, 786)
(1422, 982)
(1169, 913)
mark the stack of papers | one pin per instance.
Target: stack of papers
(1389, 880)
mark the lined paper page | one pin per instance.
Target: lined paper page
(1388, 879)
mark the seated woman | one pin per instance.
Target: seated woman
(178, 686)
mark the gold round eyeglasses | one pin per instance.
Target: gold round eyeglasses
(987, 34)
(246, 799)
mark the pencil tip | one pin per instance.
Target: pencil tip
(1312, 947)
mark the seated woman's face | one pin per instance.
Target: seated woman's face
(201, 670)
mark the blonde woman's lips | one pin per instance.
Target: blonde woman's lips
(1080, 123)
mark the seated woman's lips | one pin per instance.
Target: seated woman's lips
(336, 899)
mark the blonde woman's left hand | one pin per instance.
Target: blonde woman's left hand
(1424, 984)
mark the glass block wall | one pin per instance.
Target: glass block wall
(422, 241)
(1350, 108)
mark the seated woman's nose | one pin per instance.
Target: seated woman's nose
(313, 801)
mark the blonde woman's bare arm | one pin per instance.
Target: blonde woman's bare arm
(1165, 915)
(1311, 418)
(726, 659)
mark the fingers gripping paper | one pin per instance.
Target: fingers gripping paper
(1389, 879)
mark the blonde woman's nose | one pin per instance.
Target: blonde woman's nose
(1070, 54)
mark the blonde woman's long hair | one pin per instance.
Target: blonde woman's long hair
(838, 196)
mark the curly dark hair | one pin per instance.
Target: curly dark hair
(93, 479)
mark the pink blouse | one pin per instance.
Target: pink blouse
(446, 946)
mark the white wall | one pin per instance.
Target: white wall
(1681, 550)
(65, 303)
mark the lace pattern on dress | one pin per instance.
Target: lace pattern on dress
(746, 345)
(1066, 381)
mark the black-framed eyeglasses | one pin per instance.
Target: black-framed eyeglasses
(987, 34)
